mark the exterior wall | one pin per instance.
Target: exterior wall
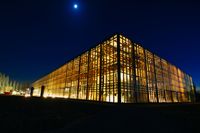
(91, 76)
(118, 70)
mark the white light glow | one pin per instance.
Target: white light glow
(75, 6)
(27, 95)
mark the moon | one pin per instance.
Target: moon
(75, 6)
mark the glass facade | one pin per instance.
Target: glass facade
(120, 71)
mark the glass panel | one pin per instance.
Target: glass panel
(93, 76)
(126, 70)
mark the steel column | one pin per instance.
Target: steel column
(118, 68)
(154, 65)
(145, 65)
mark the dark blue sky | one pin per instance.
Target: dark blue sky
(36, 36)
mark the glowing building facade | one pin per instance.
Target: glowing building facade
(8, 86)
(120, 71)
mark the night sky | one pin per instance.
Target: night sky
(37, 36)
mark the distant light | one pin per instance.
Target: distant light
(75, 6)
(26, 95)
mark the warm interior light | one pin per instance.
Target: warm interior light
(74, 80)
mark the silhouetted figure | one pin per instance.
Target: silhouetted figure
(42, 91)
(32, 89)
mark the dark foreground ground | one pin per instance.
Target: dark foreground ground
(20, 114)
